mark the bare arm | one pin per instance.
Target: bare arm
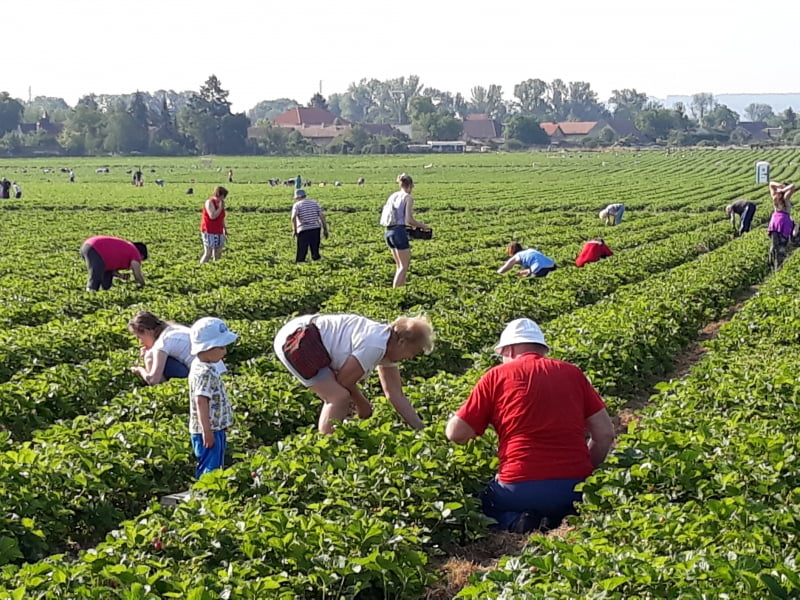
(788, 190)
(348, 377)
(459, 431)
(205, 421)
(602, 436)
(214, 211)
(293, 218)
(509, 264)
(323, 222)
(410, 220)
(155, 373)
(392, 386)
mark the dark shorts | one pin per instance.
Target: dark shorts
(98, 276)
(543, 272)
(397, 237)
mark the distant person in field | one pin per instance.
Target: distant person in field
(308, 220)
(213, 228)
(612, 214)
(106, 256)
(210, 410)
(71, 176)
(533, 262)
(397, 213)
(745, 209)
(592, 251)
(230, 175)
(17, 190)
(166, 349)
(298, 182)
(541, 409)
(330, 354)
(137, 178)
(781, 196)
(5, 189)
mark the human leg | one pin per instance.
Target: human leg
(402, 259)
(746, 218)
(551, 499)
(108, 280)
(303, 244)
(95, 266)
(618, 217)
(313, 243)
(175, 369)
(336, 402)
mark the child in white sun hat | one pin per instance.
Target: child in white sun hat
(210, 411)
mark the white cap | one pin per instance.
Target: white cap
(520, 331)
(210, 332)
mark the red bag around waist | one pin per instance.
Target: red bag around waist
(305, 352)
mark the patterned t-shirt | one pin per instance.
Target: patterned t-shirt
(205, 380)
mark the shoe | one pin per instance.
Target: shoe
(527, 522)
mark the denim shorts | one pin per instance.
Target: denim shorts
(397, 237)
(213, 240)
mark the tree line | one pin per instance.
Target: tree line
(166, 122)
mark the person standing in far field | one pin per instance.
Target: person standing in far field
(17, 190)
(308, 220)
(745, 209)
(397, 213)
(213, 229)
(230, 175)
(612, 214)
(71, 176)
(210, 411)
(298, 182)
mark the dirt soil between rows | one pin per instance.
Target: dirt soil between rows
(485, 554)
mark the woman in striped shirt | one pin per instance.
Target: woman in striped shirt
(308, 220)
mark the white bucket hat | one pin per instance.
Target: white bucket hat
(520, 331)
(210, 332)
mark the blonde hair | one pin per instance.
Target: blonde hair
(415, 330)
(604, 213)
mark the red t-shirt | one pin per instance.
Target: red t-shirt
(538, 406)
(591, 252)
(209, 225)
(116, 253)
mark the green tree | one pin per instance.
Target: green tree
(721, 118)
(526, 129)
(582, 103)
(10, 113)
(530, 97)
(558, 100)
(318, 101)
(627, 103)
(702, 104)
(788, 119)
(269, 109)
(740, 136)
(759, 112)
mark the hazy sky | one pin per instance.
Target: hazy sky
(265, 50)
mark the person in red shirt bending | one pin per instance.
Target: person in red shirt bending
(213, 229)
(541, 409)
(592, 251)
(105, 256)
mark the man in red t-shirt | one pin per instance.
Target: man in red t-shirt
(105, 256)
(541, 409)
(592, 251)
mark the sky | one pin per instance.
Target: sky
(261, 49)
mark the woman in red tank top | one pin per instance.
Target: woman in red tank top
(212, 225)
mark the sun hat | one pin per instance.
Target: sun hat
(299, 194)
(520, 331)
(210, 332)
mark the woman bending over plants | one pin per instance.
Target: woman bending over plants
(166, 349)
(533, 262)
(330, 354)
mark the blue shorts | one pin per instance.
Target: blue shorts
(175, 369)
(209, 459)
(397, 237)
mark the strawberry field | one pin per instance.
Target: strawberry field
(701, 500)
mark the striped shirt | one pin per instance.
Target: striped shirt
(307, 214)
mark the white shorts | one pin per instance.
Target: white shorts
(213, 240)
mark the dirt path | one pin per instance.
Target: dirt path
(484, 554)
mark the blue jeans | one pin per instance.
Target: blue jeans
(175, 369)
(618, 218)
(209, 459)
(550, 498)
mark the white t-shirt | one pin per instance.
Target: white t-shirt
(174, 342)
(349, 335)
(394, 211)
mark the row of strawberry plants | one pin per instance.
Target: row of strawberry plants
(330, 487)
(702, 499)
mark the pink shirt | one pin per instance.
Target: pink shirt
(116, 253)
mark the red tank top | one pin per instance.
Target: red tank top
(209, 225)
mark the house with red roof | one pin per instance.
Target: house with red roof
(481, 129)
(300, 117)
(574, 132)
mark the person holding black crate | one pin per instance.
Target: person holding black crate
(396, 216)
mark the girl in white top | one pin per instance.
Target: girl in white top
(398, 211)
(166, 348)
(356, 346)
